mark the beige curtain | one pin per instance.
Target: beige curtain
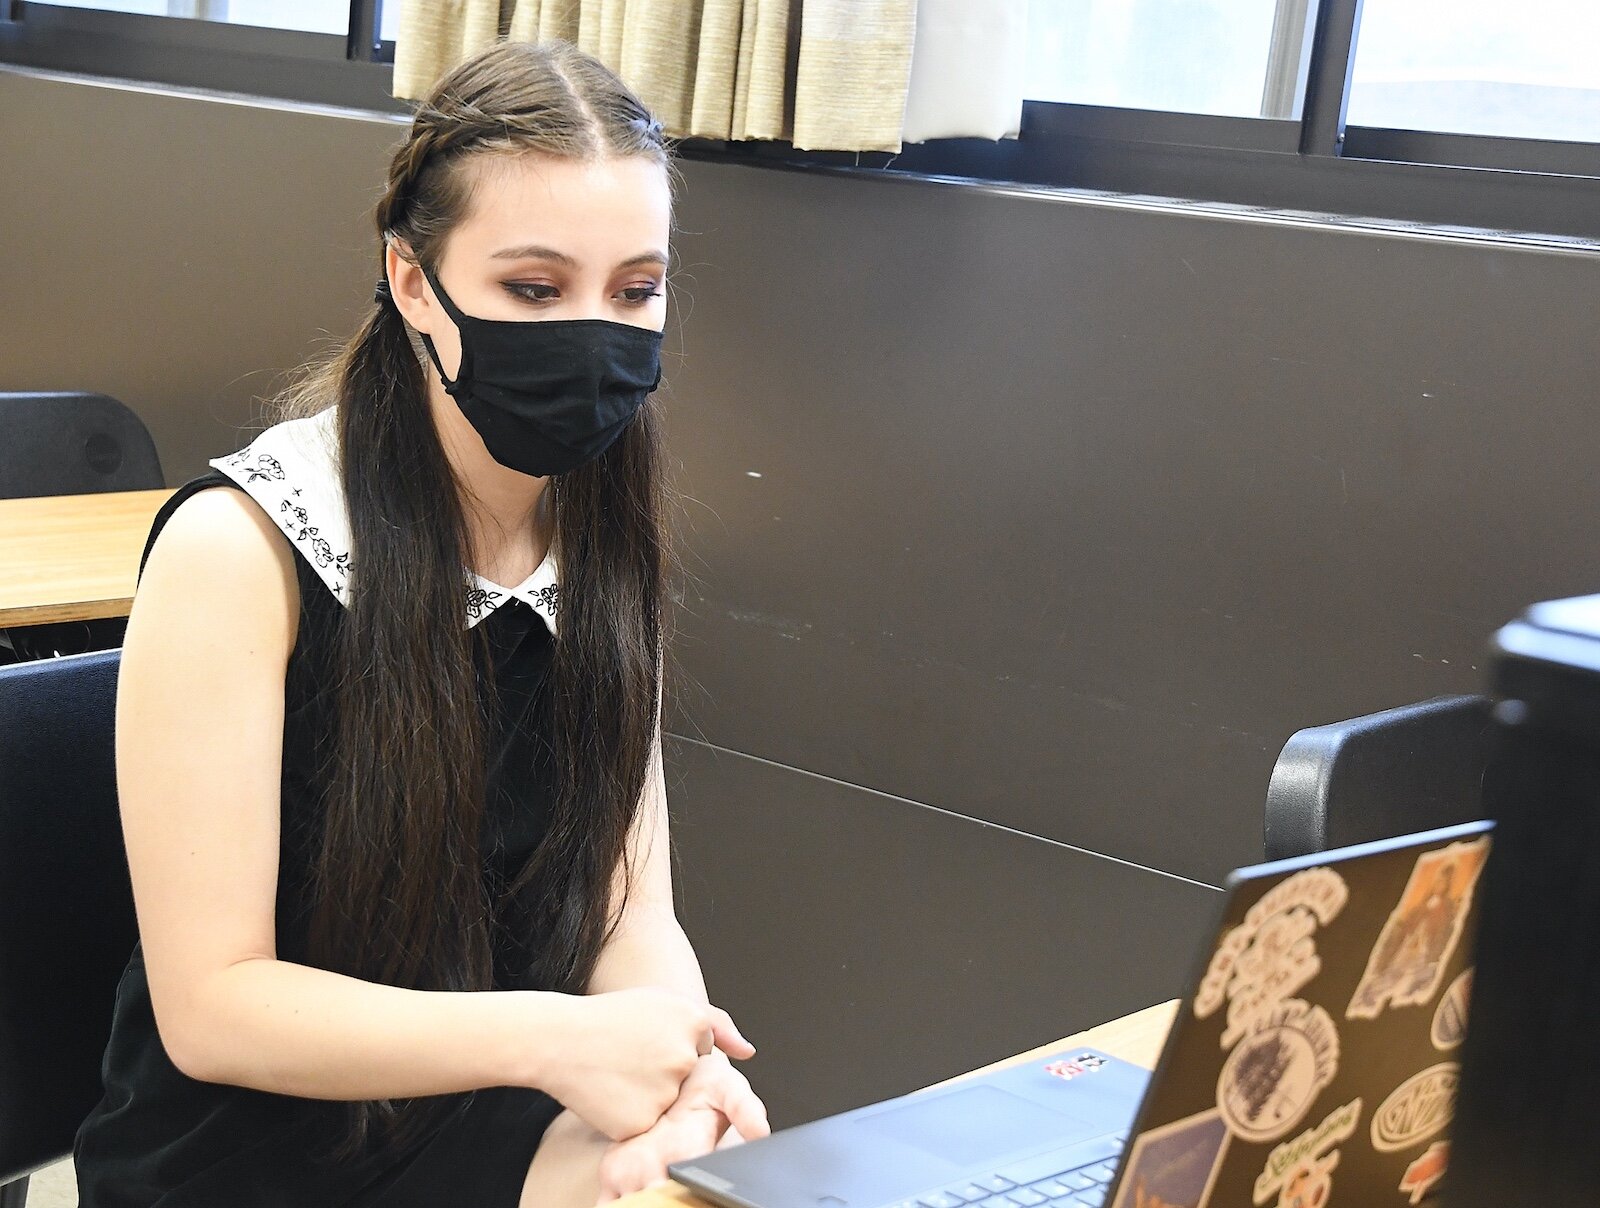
(828, 74)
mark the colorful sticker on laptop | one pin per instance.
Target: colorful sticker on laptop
(1408, 962)
(1272, 954)
(1310, 1183)
(1423, 1174)
(1416, 1109)
(1300, 1170)
(1450, 1020)
(1271, 1078)
(1075, 1067)
(1174, 1166)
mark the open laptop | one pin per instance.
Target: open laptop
(1311, 1066)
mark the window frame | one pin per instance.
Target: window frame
(1315, 164)
(283, 64)
(1549, 157)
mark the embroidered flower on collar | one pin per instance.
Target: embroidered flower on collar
(291, 470)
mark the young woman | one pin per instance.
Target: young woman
(388, 724)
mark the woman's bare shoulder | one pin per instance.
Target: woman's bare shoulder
(220, 559)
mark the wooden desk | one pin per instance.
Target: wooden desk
(72, 557)
(1137, 1038)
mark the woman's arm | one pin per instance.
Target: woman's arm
(648, 946)
(299, 1030)
(198, 751)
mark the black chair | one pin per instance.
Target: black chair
(67, 924)
(1392, 773)
(73, 443)
(70, 443)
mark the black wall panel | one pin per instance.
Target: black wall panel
(899, 945)
(1068, 515)
(183, 254)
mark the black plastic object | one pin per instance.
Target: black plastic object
(1526, 1109)
(73, 443)
(67, 923)
(55, 638)
(1415, 768)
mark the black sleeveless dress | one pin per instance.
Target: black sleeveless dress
(159, 1139)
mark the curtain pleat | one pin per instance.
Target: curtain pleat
(716, 69)
(435, 35)
(660, 41)
(540, 20)
(828, 74)
(763, 90)
(606, 21)
(850, 88)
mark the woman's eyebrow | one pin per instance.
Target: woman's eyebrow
(533, 251)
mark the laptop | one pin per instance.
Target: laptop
(1312, 1065)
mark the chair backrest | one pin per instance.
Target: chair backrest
(67, 923)
(73, 443)
(1392, 773)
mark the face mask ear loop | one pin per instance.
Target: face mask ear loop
(449, 386)
(464, 370)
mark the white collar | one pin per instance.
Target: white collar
(291, 470)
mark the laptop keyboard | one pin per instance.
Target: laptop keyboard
(1080, 1187)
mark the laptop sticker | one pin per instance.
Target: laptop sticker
(1408, 962)
(1421, 1176)
(1301, 1169)
(1272, 953)
(1450, 1020)
(1416, 1109)
(1073, 1067)
(1269, 1081)
(1174, 1166)
(1310, 1183)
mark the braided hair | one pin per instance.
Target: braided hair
(400, 891)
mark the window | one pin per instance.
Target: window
(314, 51)
(1370, 109)
(1235, 58)
(1525, 70)
(388, 19)
(314, 16)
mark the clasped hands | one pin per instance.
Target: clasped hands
(715, 1107)
(655, 1077)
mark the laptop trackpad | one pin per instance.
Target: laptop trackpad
(977, 1124)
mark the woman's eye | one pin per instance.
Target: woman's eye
(540, 291)
(536, 291)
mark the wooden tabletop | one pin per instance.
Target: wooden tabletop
(72, 557)
(1137, 1038)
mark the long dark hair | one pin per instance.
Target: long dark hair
(399, 894)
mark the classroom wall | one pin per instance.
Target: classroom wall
(1020, 531)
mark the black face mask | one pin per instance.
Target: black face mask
(548, 395)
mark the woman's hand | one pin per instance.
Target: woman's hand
(713, 1097)
(623, 1057)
